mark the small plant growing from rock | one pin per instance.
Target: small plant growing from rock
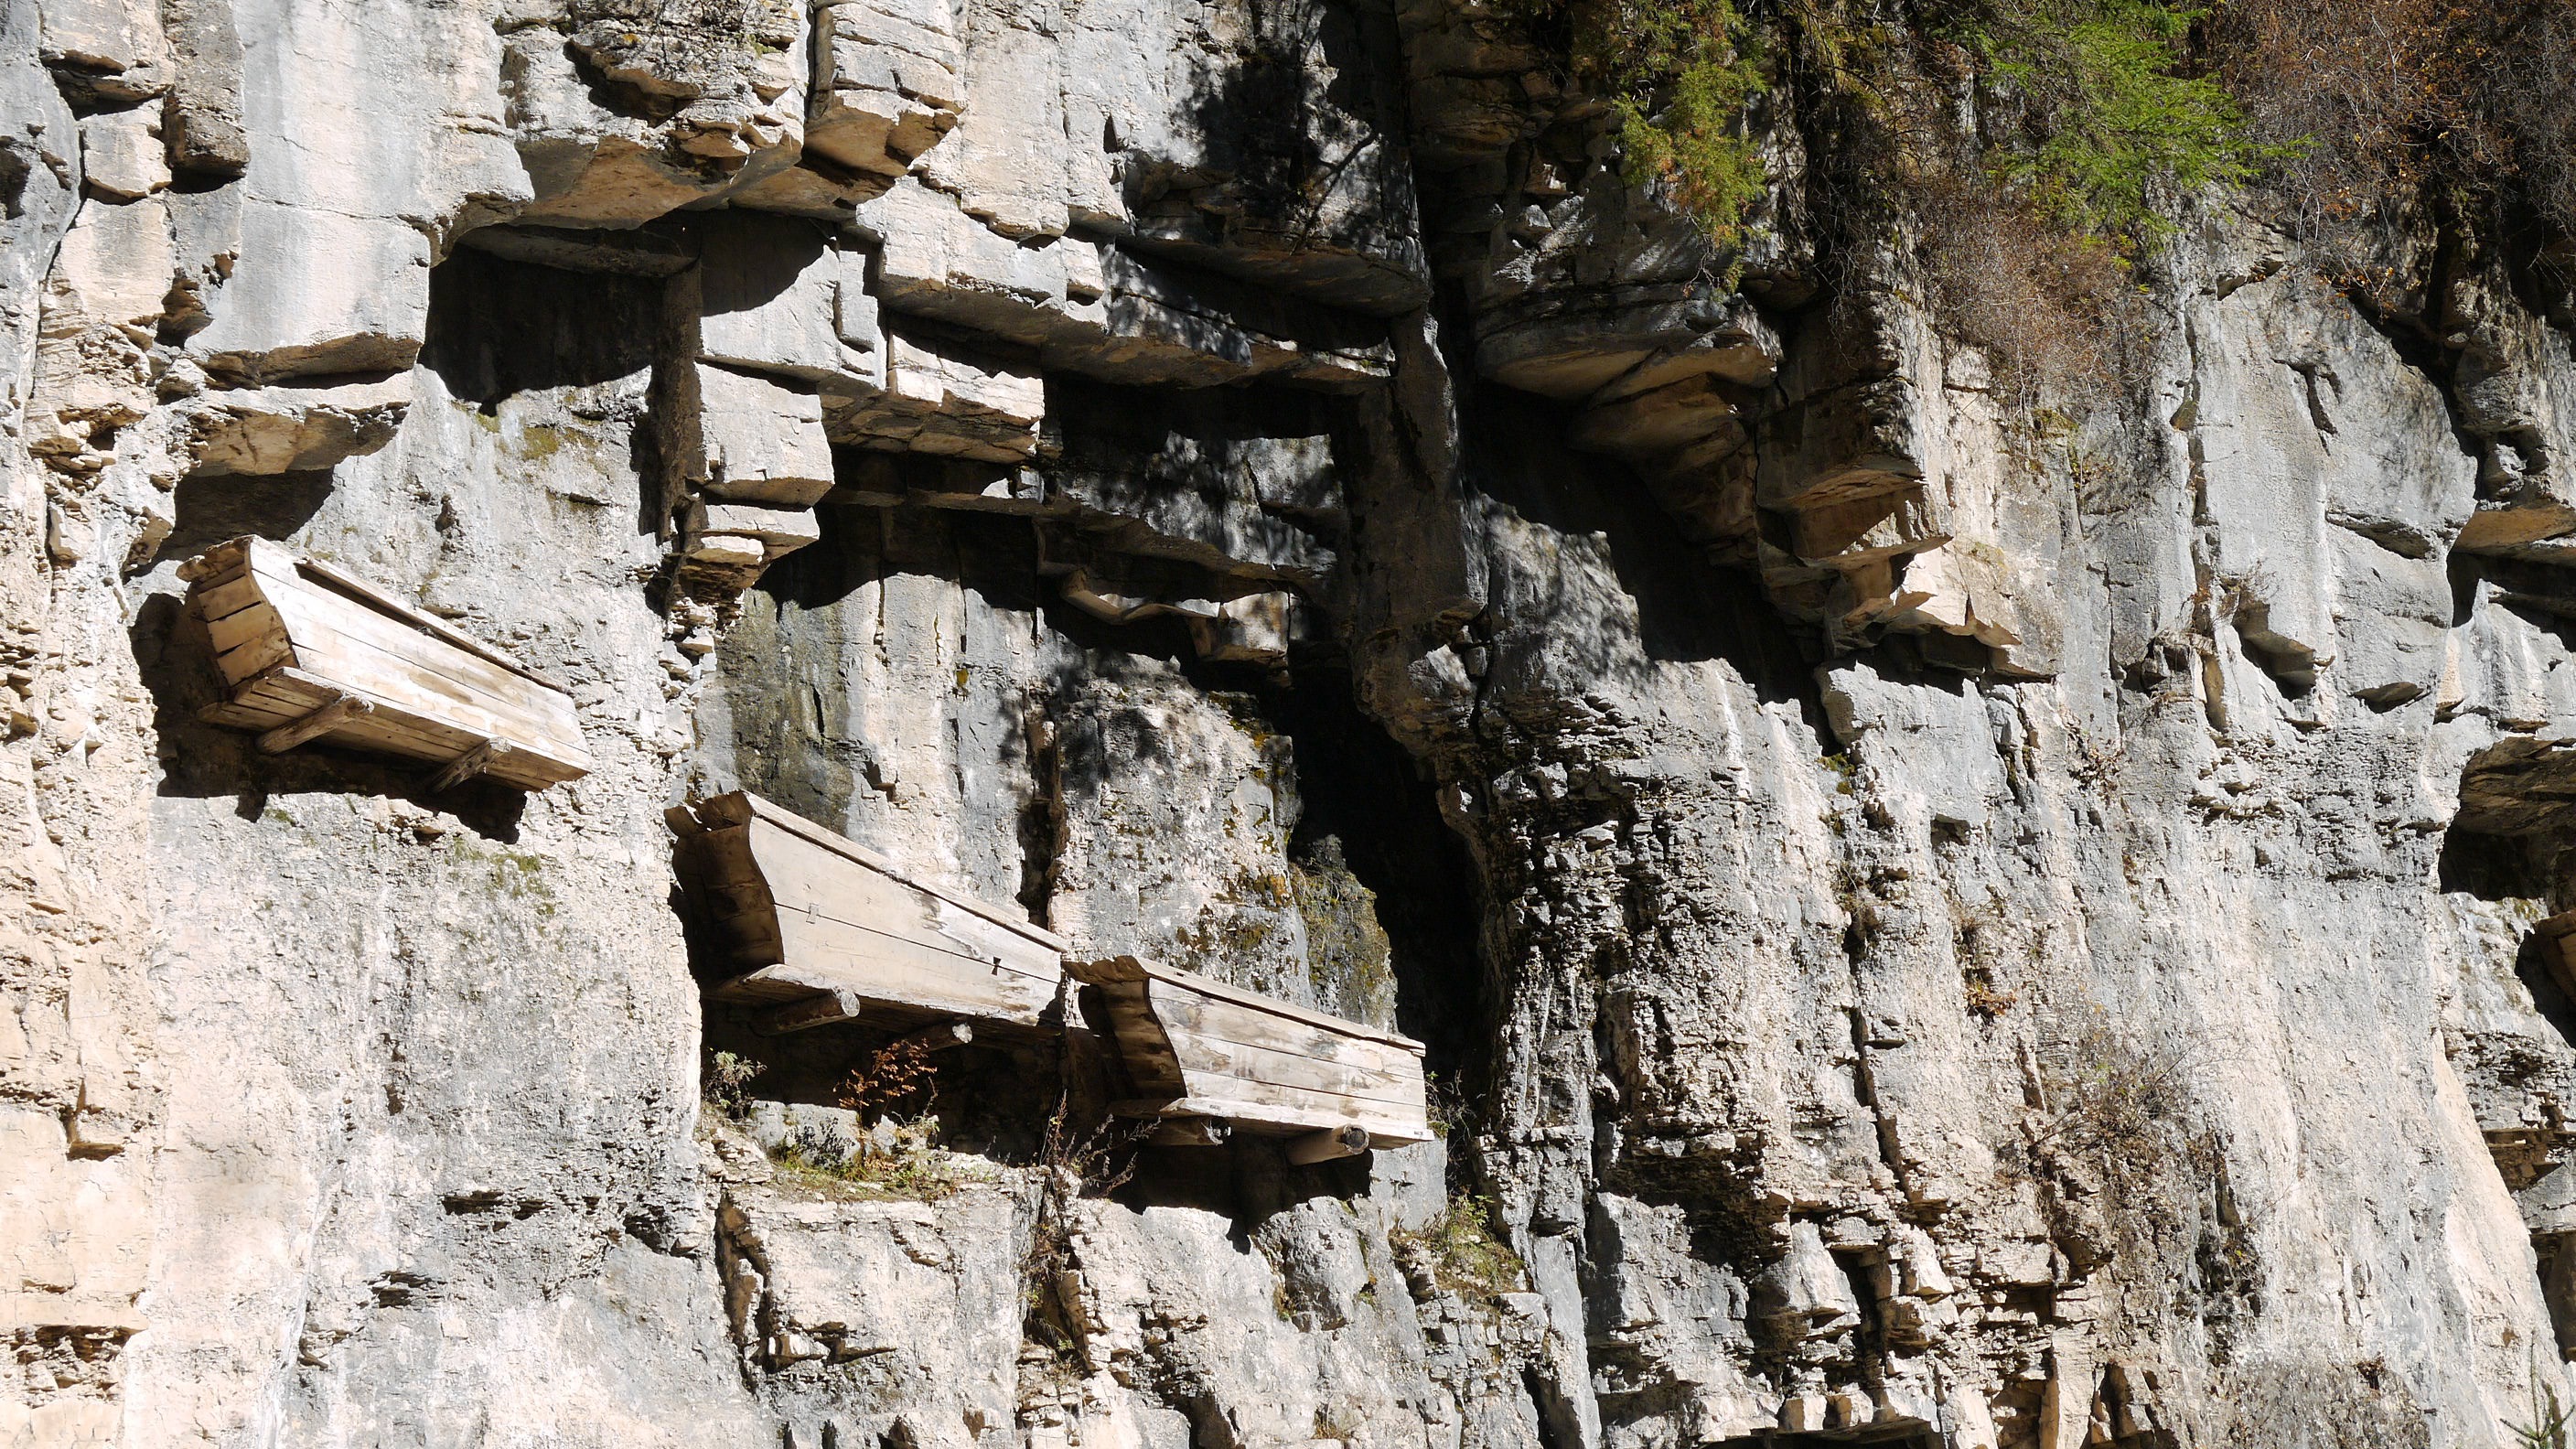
(2549, 1422)
(728, 1084)
(1984, 997)
(1445, 1103)
(1072, 1163)
(1460, 1253)
(896, 1076)
(891, 1160)
(2112, 1098)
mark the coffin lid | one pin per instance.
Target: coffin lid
(262, 556)
(741, 807)
(1117, 970)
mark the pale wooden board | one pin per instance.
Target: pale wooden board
(289, 693)
(1139, 968)
(289, 633)
(388, 683)
(813, 913)
(1185, 1010)
(1256, 1108)
(254, 657)
(882, 968)
(370, 664)
(1294, 1072)
(1272, 1066)
(548, 712)
(333, 577)
(802, 875)
(742, 805)
(219, 600)
(241, 626)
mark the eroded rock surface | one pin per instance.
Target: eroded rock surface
(1938, 919)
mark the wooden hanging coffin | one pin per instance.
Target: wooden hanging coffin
(818, 928)
(1203, 1051)
(305, 651)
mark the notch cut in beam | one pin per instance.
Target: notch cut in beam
(335, 712)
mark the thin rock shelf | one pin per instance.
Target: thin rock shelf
(308, 652)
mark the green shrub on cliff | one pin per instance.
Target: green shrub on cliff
(2112, 117)
(1680, 76)
(2089, 109)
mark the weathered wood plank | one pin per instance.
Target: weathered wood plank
(1265, 1066)
(806, 907)
(1266, 1116)
(242, 626)
(886, 967)
(1184, 1010)
(474, 677)
(254, 656)
(748, 804)
(225, 599)
(1258, 1104)
(1139, 968)
(292, 693)
(1291, 1070)
(290, 635)
(334, 576)
(367, 664)
(802, 875)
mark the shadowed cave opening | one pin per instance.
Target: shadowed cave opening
(2508, 846)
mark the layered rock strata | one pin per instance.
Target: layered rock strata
(1942, 917)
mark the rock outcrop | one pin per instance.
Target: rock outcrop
(1941, 915)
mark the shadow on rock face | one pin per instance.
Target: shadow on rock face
(497, 327)
(214, 508)
(1625, 589)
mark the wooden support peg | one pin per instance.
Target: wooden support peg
(468, 765)
(1191, 1132)
(1329, 1145)
(939, 1038)
(338, 711)
(824, 1010)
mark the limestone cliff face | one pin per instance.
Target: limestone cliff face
(1939, 919)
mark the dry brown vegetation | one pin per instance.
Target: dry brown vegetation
(2384, 107)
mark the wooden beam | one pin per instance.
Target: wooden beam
(939, 1038)
(1328, 1146)
(1191, 1132)
(470, 764)
(824, 1010)
(342, 709)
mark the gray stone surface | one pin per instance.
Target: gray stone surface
(1937, 919)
